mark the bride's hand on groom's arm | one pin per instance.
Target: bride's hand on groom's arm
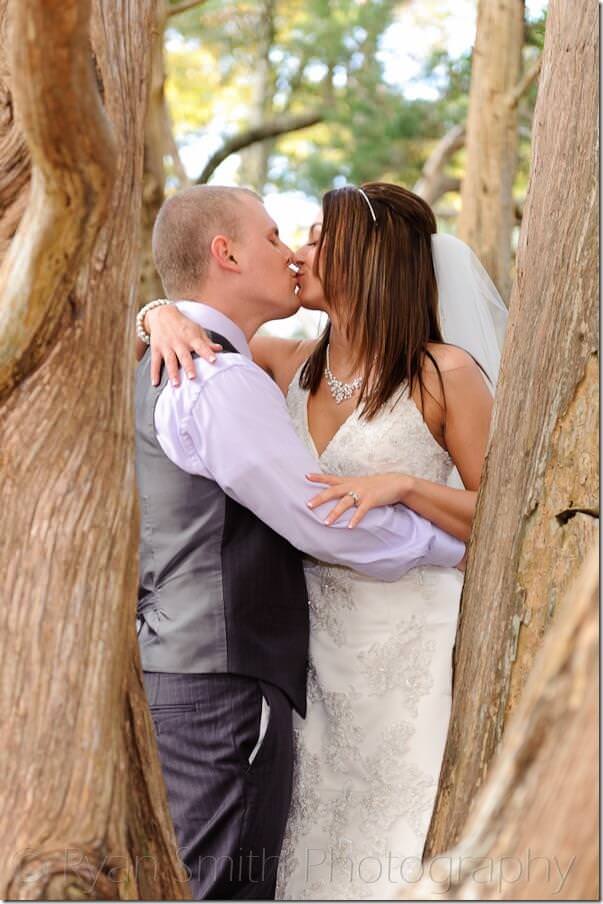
(369, 492)
(173, 339)
(376, 490)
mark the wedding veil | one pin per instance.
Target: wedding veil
(472, 313)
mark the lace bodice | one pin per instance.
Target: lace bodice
(369, 752)
(396, 439)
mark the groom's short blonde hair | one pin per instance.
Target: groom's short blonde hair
(185, 226)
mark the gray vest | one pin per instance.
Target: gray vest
(219, 590)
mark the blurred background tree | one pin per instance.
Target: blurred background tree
(294, 98)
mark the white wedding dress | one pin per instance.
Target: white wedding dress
(368, 754)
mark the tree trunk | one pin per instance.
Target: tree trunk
(486, 219)
(83, 810)
(15, 168)
(533, 833)
(255, 159)
(159, 144)
(537, 508)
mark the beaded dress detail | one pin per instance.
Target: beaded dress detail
(368, 754)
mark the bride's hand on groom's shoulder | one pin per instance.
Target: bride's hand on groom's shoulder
(365, 493)
(173, 339)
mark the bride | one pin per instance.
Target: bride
(394, 414)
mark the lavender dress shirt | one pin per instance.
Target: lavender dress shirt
(231, 425)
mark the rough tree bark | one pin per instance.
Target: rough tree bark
(83, 810)
(537, 508)
(533, 833)
(53, 238)
(487, 218)
(15, 169)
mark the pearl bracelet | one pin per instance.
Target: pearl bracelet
(140, 330)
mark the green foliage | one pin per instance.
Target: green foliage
(190, 97)
(323, 56)
(451, 78)
(318, 55)
(534, 31)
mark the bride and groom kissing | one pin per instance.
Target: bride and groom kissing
(297, 657)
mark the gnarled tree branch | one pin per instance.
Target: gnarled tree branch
(73, 159)
(280, 125)
(183, 7)
(529, 76)
(83, 747)
(434, 182)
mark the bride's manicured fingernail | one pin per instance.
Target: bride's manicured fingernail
(310, 504)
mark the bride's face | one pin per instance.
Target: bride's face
(311, 293)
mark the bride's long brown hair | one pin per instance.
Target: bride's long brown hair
(379, 281)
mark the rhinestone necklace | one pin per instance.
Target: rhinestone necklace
(339, 390)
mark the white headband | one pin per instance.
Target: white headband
(365, 196)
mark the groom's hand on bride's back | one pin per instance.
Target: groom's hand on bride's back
(174, 338)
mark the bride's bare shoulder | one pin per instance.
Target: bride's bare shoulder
(448, 358)
(465, 383)
(461, 374)
(458, 372)
(281, 358)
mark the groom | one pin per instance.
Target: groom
(222, 612)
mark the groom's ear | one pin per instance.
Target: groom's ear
(221, 251)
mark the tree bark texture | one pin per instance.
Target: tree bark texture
(537, 509)
(15, 168)
(486, 219)
(54, 236)
(533, 833)
(83, 811)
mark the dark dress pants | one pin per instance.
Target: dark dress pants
(229, 814)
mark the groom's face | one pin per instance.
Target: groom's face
(264, 260)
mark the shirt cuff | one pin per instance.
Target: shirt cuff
(444, 550)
